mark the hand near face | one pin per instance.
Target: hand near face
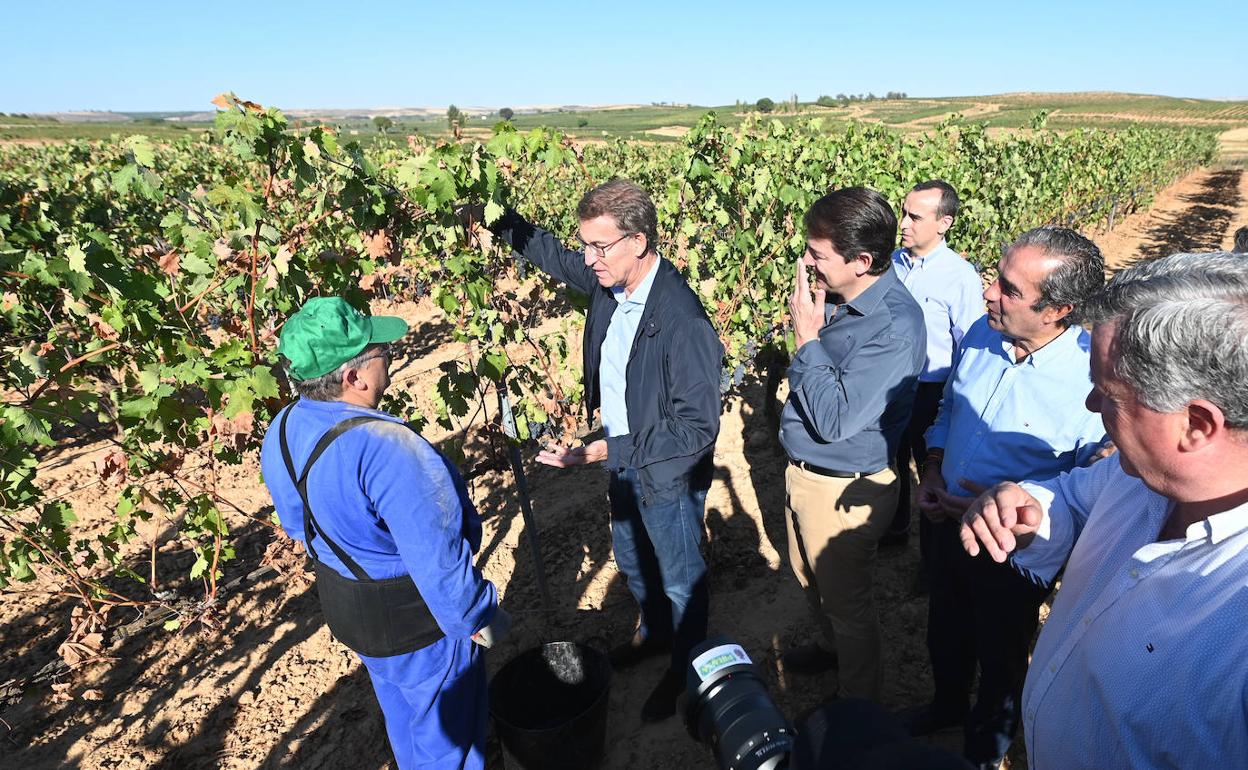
(566, 457)
(807, 314)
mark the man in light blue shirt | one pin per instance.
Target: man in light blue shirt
(1143, 661)
(615, 350)
(1013, 408)
(950, 292)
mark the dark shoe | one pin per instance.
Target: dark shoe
(924, 720)
(636, 650)
(895, 539)
(809, 659)
(662, 701)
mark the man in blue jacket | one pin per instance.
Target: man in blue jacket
(391, 532)
(652, 363)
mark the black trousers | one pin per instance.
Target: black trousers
(979, 613)
(926, 405)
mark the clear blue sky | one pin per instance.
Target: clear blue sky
(178, 54)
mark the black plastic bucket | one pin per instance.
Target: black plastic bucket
(549, 706)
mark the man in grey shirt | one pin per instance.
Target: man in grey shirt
(861, 344)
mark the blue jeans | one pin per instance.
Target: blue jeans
(656, 547)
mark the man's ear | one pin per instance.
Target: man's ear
(862, 263)
(645, 245)
(1055, 313)
(351, 379)
(1205, 424)
(943, 224)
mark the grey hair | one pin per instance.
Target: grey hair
(328, 387)
(1079, 275)
(1182, 331)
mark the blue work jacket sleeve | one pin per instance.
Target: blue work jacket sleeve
(841, 400)
(545, 251)
(424, 504)
(692, 365)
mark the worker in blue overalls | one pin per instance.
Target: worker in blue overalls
(391, 534)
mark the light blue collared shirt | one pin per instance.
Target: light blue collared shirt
(1134, 615)
(616, 347)
(1004, 421)
(950, 292)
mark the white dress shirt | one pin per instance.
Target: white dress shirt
(1143, 660)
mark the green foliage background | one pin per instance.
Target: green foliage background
(143, 284)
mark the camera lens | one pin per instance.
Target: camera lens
(729, 708)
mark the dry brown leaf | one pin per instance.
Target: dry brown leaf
(376, 245)
(234, 432)
(92, 695)
(281, 260)
(70, 654)
(102, 328)
(222, 250)
(222, 101)
(113, 463)
(170, 263)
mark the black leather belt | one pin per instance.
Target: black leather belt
(830, 472)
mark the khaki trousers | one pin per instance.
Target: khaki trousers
(834, 527)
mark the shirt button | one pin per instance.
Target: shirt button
(1135, 573)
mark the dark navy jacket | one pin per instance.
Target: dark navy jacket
(673, 370)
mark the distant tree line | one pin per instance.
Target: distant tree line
(840, 100)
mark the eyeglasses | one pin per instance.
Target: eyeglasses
(382, 351)
(594, 250)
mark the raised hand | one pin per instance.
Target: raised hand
(807, 314)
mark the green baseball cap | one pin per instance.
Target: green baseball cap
(327, 332)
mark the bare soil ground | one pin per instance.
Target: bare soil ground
(264, 685)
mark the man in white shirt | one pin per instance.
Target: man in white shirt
(1143, 661)
(950, 292)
